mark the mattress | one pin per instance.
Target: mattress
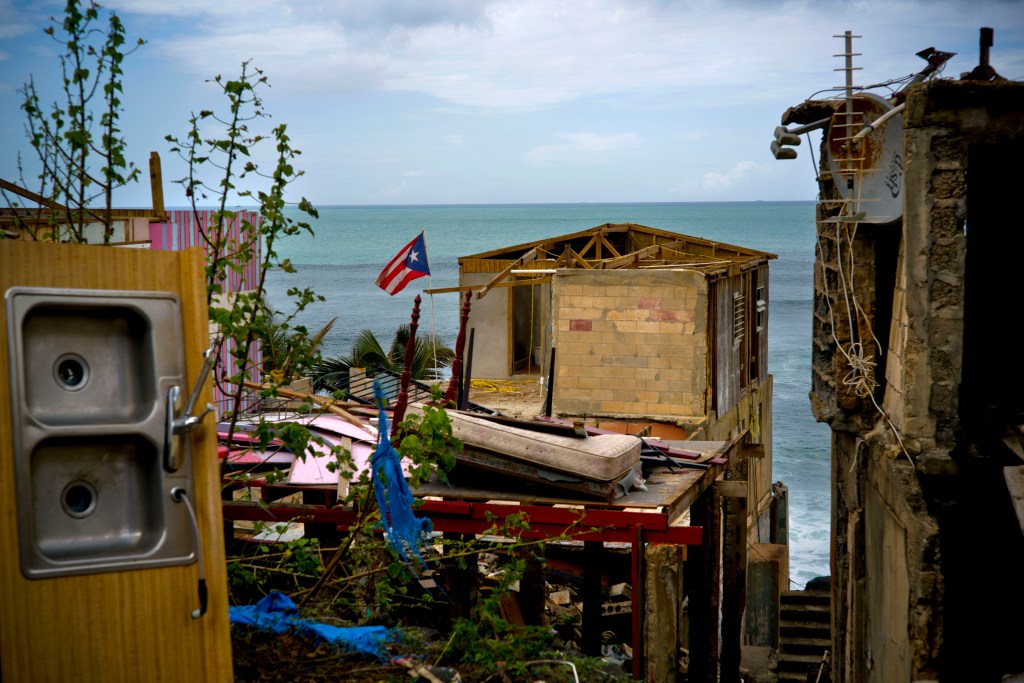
(601, 458)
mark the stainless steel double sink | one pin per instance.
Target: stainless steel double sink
(94, 378)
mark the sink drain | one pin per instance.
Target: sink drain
(79, 499)
(71, 371)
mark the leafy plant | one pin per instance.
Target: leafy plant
(78, 141)
(427, 442)
(226, 146)
(431, 355)
(282, 350)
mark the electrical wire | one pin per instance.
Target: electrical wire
(861, 376)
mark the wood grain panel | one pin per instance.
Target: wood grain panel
(125, 626)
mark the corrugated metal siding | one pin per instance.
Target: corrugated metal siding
(185, 228)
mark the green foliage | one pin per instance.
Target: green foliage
(427, 442)
(430, 356)
(494, 643)
(272, 566)
(221, 153)
(284, 348)
(77, 139)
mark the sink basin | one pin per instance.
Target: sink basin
(90, 372)
(94, 498)
(88, 363)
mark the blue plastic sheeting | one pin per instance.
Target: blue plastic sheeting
(405, 531)
(277, 613)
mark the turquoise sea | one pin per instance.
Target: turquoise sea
(352, 243)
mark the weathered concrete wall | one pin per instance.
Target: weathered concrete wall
(489, 318)
(931, 346)
(631, 343)
(918, 504)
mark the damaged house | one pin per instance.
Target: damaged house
(643, 331)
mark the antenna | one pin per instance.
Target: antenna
(865, 161)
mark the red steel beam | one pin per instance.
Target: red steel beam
(472, 518)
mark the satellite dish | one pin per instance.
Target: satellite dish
(868, 171)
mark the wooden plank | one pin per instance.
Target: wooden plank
(770, 552)
(765, 581)
(156, 184)
(734, 570)
(608, 246)
(620, 532)
(630, 258)
(497, 285)
(31, 196)
(123, 626)
(322, 401)
(731, 489)
(752, 450)
(528, 256)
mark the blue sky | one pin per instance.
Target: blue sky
(508, 101)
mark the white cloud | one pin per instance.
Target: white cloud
(581, 146)
(193, 8)
(716, 182)
(528, 54)
(699, 84)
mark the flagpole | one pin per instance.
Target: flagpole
(433, 329)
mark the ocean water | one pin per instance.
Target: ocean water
(351, 244)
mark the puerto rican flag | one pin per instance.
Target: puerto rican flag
(408, 264)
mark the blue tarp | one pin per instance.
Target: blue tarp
(277, 613)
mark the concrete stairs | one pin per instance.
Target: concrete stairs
(805, 627)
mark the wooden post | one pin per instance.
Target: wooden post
(661, 616)
(592, 598)
(532, 585)
(638, 583)
(734, 570)
(702, 576)
(452, 394)
(551, 384)
(466, 378)
(410, 352)
(156, 183)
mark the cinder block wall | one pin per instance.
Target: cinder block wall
(631, 343)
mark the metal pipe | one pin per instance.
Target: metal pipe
(987, 39)
(868, 127)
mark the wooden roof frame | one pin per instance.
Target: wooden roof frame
(661, 249)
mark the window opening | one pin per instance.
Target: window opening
(738, 318)
(762, 306)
